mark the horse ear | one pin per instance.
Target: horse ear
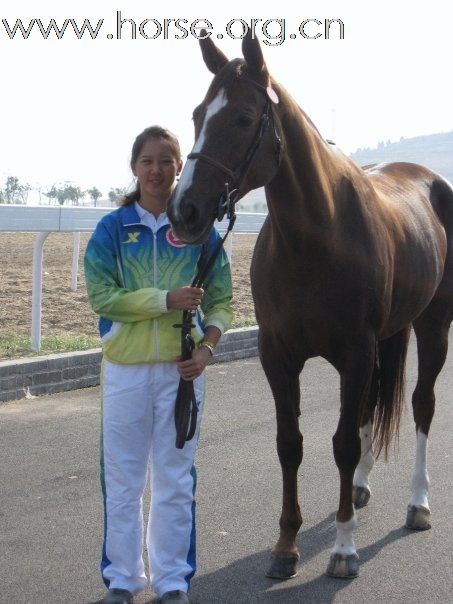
(213, 56)
(253, 56)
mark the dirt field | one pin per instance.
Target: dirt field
(65, 312)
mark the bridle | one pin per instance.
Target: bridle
(237, 177)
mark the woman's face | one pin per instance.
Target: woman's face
(156, 169)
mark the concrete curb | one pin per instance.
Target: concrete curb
(23, 378)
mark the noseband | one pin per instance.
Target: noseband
(237, 177)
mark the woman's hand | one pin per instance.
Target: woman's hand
(184, 298)
(194, 367)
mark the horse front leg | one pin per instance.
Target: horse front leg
(284, 383)
(285, 554)
(355, 387)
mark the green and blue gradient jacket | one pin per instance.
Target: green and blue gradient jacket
(128, 270)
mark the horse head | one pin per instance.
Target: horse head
(237, 140)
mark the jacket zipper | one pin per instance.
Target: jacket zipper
(155, 286)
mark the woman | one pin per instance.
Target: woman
(137, 275)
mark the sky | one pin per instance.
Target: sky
(70, 109)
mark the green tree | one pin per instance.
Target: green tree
(56, 194)
(116, 194)
(51, 194)
(73, 194)
(64, 193)
(94, 193)
(14, 192)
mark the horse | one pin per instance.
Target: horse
(348, 261)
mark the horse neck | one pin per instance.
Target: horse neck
(301, 195)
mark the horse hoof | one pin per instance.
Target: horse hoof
(343, 566)
(417, 518)
(360, 496)
(283, 567)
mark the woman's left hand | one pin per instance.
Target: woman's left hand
(194, 367)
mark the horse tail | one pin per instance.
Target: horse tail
(391, 371)
(441, 198)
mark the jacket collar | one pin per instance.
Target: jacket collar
(146, 216)
(129, 215)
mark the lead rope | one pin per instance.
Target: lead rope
(186, 409)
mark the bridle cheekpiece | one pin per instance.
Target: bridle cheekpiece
(236, 177)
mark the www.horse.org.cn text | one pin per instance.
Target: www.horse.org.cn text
(272, 32)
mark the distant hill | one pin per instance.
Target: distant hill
(434, 151)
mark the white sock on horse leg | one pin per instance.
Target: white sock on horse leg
(366, 462)
(420, 478)
(344, 543)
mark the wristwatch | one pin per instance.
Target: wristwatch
(207, 344)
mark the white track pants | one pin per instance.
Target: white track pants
(138, 431)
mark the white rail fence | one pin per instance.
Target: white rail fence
(44, 220)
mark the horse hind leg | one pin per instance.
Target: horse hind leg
(355, 387)
(431, 330)
(361, 491)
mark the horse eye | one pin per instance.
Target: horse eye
(244, 121)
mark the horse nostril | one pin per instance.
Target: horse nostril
(189, 212)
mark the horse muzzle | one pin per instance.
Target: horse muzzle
(189, 223)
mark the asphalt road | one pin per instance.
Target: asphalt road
(51, 511)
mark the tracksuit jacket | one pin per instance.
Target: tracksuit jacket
(128, 271)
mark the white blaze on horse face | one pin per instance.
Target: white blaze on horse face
(366, 462)
(420, 478)
(344, 543)
(187, 174)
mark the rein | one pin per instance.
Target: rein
(186, 410)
